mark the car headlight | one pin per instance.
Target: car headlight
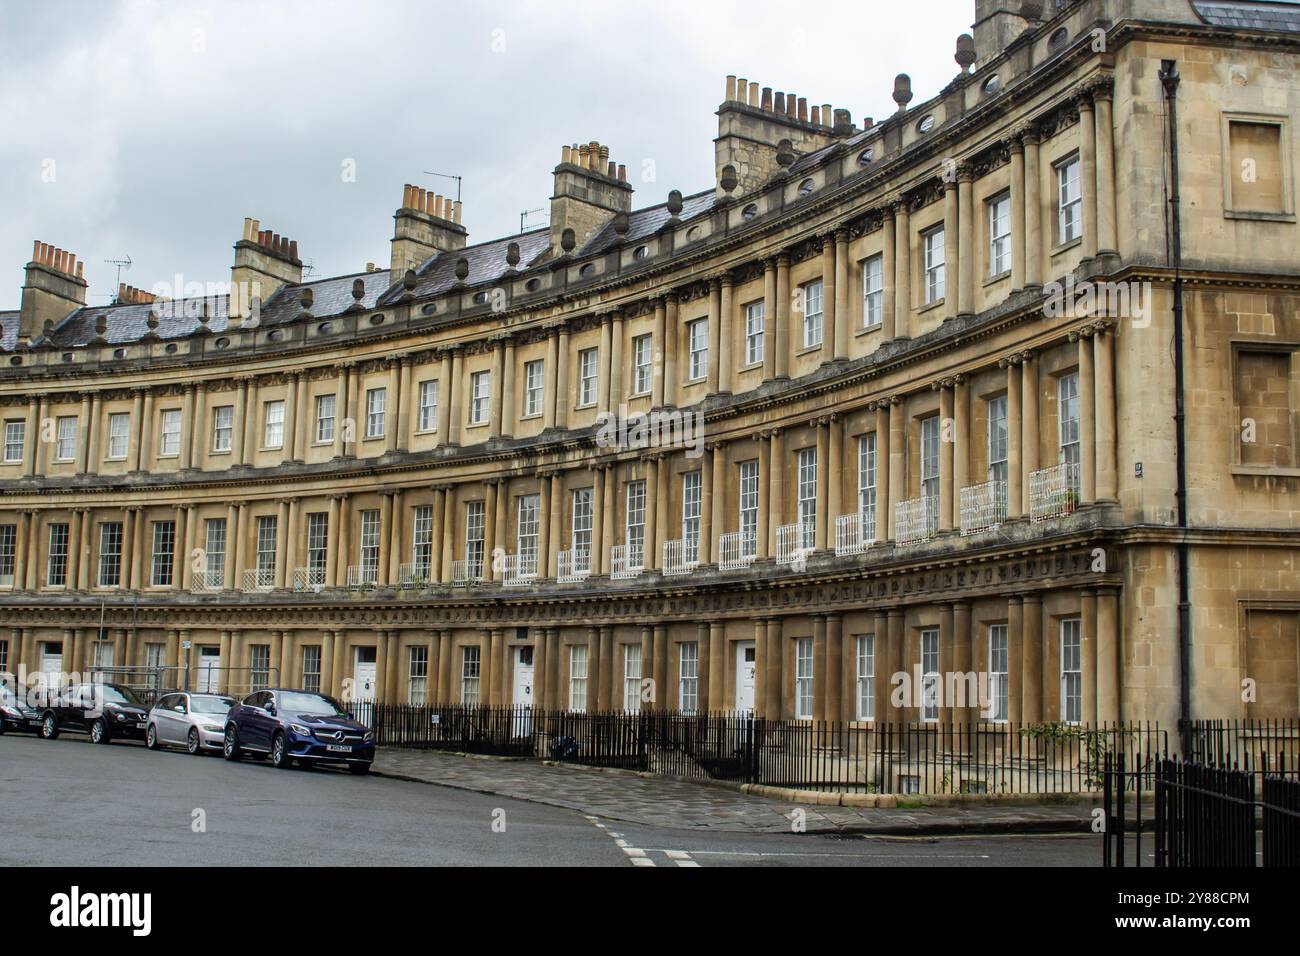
(119, 715)
(212, 728)
(369, 736)
(300, 729)
(10, 712)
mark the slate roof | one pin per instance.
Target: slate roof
(1281, 15)
(129, 323)
(329, 296)
(646, 222)
(8, 330)
(487, 261)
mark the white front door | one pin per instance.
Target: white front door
(209, 670)
(363, 674)
(523, 693)
(52, 664)
(746, 665)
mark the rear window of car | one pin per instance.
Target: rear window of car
(211, 705)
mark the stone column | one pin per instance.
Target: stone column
(726, 336)
(783, 320)
(605, 682)
(86, 429)
(888, 275)
(382, 578)
(717, 670)
(894, 662)
(897, 460)
(594, 563)
(84, 577)
(1104, 375)
(1030, 439)
(404, 403)
(135, 444)
(883, 468)
(659, 351)
(672, 345)
(1016, 677)
(239, 424)
(661, 668)
(827, 472)
(446, 669)
(830, 289)
(1032, 694)
(562, 401)
(963, 659)
(1105, 138)
(820, 695)
(902, 271)
(841, 331)
(396, 520)
(1017, 213)
(1108, 645)
(341, 410)
(490, 543)
(715, 335)
(281, 543)
(223, 679)
(381, 666)
(436, 508)
(651, 531)
(392, 404)
(955, 226)
(1015, 475)
(548, 525)
(448, 531)
(1087, 657)
(74, 550)
(187, 428)
(961, 444)
(617, 333)
(773, 671)
(948, 711)
(292, 542)
(834, 469)
(356, 412)
(498, 682)
(497, 390)
(327, 662)
(769, 320)
(1088, 174)
(299, 418)
(947, 455)
(509, 404)
(604, 359)
(1033, 213)
(332, 541)
(455, 397)
(776, 496)
(834, 698)
(196, 430)
(1087, 423)
(704, 552)
(343, 550)
(126, 568)
(763, 442)
(447, 396)
(969, 261)
(21, 549)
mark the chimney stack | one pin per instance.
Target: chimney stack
(998, 22)
(264, 261)
(752, 123)
(590, 190)
(425, 225)
(53, 288)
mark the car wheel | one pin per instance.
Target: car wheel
(99, 732)
(151, 738)
(192, 741)
(49, 727)
(230, 746)
(280, 758)
(359, 768)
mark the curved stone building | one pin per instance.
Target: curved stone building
(886, 397)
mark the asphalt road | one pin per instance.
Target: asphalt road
(69, 802)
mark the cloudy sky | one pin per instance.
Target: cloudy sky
(150, 130)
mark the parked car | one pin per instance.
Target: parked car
(196, 722)
(297, 726)
(15, 714)
(105, 711)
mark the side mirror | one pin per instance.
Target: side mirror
(270, 707)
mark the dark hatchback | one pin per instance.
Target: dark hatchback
(16, 713)
(105, 711)
(297, 726)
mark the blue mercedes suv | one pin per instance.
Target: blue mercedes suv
(297, 726)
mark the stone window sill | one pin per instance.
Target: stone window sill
(1265, 471)
(994, 280)
(1065, 247)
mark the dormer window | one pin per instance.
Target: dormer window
(806, 187)
(750, 211)
(926, 124)
(866, 156)
(640, 252)
(992, 85)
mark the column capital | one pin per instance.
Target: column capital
(1029, 134)
(1102, 88)
(1082, 99)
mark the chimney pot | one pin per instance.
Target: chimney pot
(36, 250)
(564, 155)
(817, 116)
(622, 173)
(767, 99)
(780, 102)
(456, 210)
(293, 249)
(803, 109)
(731, 88)
(753, 93)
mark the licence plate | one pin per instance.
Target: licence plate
(338, 748)
(141, 725)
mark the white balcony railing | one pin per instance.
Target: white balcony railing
(414, 574)
(573, 566)
(916, 519)
(794, 542)
(678, 558)
(363, 576)
(1053, 492)
(625, 562)
(308, 579)
(257, 579)
(518, 570)
(736, 550)
(983, 507)
(855, 533)
(466, 571)
(208, 581)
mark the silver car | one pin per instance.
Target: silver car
(193, 721)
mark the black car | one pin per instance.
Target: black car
(15, 714)
(105, 711)
(297, 726)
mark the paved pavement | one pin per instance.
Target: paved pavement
(69, 802)
(658, 802)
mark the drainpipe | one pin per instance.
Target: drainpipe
(1170, 80)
